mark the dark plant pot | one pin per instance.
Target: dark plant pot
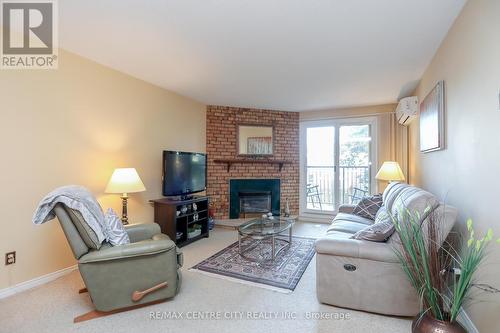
(427, 324)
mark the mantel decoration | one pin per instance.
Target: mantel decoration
(255, 140)
(427, 269)
(432, 120)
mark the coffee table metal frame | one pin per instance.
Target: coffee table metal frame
(260, 238)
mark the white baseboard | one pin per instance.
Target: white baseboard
(20, 287)
(465, 320)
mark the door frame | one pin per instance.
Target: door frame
(319, 216)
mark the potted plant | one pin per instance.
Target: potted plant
(427, 266)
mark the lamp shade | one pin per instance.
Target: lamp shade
(125, 180)
(390, 171)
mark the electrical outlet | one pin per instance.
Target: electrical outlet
(10, 258)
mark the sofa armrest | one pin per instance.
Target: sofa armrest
(142, 231)
(333, 245)
(142, 248)
(346, 209)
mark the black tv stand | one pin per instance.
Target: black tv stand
(171, 222)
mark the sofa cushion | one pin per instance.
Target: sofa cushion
(368, 206)
(352, 218)
(346, 226)
(380, 231)
(341, 244)
(415, 200)
(391, 192)
(399, 196)
(334, 234)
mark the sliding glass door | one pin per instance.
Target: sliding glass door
(336, 163)
(320, 168)
(354, 162)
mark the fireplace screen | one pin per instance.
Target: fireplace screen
(252, 203)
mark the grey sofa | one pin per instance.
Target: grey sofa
(122, 277)
(366, 275)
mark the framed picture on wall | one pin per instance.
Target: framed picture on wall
(260, 145)
(432, 120)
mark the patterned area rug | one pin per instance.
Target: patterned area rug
(283, 273)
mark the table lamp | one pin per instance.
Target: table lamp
(390, 171)
(124, 181)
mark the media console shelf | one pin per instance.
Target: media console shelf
(171, 222)
(230, 162)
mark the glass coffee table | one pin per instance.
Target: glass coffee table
(260, 229)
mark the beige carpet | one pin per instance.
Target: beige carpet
(51, 308)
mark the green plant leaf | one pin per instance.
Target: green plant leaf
(469, 225)
(489, 235)
(470, 242)
(498, 241)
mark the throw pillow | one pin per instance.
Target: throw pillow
(113, 229)
(368, 206)
(380, 231)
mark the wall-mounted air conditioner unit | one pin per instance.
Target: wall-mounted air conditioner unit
(407, 110)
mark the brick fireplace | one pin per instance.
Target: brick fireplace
(222, 125)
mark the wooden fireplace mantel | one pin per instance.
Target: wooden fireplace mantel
(230, 162)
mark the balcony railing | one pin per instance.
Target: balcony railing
(320, 182)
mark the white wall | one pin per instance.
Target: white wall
(466, 174)
(74, 125)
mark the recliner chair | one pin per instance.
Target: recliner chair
(121, 278)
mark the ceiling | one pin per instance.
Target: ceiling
(294, 55)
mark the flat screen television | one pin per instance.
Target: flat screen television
(184, 173)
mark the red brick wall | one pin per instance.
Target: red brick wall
(222, 125)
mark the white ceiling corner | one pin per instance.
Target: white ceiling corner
(282, 54)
